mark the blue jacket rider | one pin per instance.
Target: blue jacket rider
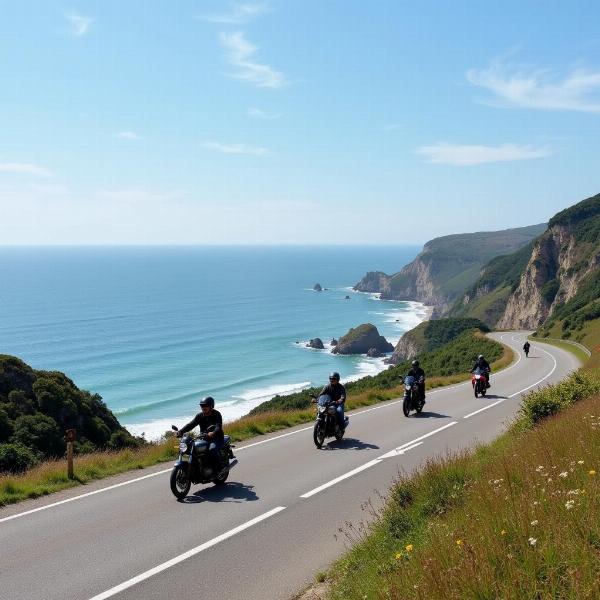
(337, 392)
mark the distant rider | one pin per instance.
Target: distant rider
(337, 392)
(207, 417)
(526, 347)
(417, 372)
(484, 366)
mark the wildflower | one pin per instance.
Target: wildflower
(459, 543)
(503, 532)
(535, 522)
(569, 504)
(398, 555)
(409, 548)
(549, 479)
(540, 468)
(591, 472)
(579, 462)
(535, 502)
(563, 474)
(532, 541)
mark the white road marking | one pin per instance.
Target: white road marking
(371, 463)
(174, 561)
(396, 452)
(482, 409)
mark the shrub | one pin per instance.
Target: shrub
(15, 458)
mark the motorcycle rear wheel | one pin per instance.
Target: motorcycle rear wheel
(180, 482)
(319, 435)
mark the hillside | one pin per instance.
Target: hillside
(37, 407)
(446, 267)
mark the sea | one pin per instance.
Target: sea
(154, 329)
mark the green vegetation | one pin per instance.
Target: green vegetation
(515, 519)
(37, 407)
(454, 358)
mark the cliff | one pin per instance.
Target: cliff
(446, 267)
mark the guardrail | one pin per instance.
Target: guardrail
(580, 346)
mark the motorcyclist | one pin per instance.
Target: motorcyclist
(526, 347)
(484, 366)
(417, 372)
(206, 418)
(337, 392)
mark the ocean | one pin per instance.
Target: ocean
(153, 329)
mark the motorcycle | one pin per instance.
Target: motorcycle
(526, 350)
(479, 382)
(195, 463)
(412, 396)
(326, 423)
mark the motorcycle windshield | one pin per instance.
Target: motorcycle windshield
(324, 400)
(409, 380)
(479, 371)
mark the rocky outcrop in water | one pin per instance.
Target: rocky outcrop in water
(317, 287)
(361, 339)
(316, 343)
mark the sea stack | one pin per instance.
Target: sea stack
(317, 287)
(361, 339)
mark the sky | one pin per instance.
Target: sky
(293, 122)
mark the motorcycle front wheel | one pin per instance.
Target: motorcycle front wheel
(476, 389)
(221, 480)
(180, 481)
(319, 434)
(406, 406)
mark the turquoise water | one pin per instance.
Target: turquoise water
(153, 329)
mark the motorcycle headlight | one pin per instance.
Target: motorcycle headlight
(182, 446)
(322, 409)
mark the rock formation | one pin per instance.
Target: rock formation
(361, 339)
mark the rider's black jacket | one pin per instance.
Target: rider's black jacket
(526, 346)
(205, 421)
(417, 373)
(336, 391)
(481, 364)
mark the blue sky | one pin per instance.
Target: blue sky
(137, 122)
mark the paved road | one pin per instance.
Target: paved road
(276, 523)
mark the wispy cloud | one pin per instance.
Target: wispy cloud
(236, 148)
(524, 86)
(463, 155)
(240, 54)
(78, 24)
(128, 135)
(24, 168)
(257, 113)
(237, 14)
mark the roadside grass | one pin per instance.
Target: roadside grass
(50, 476)
(518, 518)
(579, 354)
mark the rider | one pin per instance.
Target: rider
(526, 347)
(484, 365)
(206, 418)
(417, 372)
(337, 392)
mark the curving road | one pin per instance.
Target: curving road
(276, 523)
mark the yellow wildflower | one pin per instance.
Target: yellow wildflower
(592, 472)
(503, 532)
(459, 543)
(409, 548)
(398, 555)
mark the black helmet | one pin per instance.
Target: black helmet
(208, 401)
(334, 375)
(415, 363)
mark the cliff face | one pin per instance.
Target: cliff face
(558, 264)
(446, 267)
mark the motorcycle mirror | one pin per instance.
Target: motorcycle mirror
(174, 428)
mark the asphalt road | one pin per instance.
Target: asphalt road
(276, 523)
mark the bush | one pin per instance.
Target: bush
(40, 433)
(548, 401)
(15, 458)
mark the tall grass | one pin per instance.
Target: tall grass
(519, 518)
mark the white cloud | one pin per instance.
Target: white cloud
(236, 148)
(238, 14)
(128, 135)
(78, 24)
(24, 168)
(239, 55)
(463, 155)
(257, 113)
(524, 86)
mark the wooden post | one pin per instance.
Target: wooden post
(70, 438)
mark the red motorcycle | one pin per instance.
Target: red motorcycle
(479, 381)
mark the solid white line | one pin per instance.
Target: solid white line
(275, 437)
(543, 378)
(174, 561)
(106, 489)
(427, 435)
(484, 408)
(341, 478)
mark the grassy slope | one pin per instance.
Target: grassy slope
(498, 523)
(50, 476)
